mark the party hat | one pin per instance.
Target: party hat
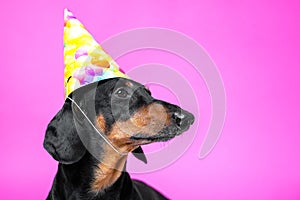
(85, 60)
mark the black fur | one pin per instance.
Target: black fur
(68, 134)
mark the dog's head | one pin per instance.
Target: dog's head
(122, 110)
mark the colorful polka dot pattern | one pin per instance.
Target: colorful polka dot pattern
(85, 60)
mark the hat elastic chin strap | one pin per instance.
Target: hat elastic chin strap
(103, 136)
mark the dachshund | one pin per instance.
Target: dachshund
(96, 128)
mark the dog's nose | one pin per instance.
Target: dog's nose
(177, 117)
(183, 118)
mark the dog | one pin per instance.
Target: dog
(123, 112)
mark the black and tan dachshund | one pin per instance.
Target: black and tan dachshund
(126, 113)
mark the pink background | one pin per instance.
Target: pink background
(255, 45)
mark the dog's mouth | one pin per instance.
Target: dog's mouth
(165, 134)
(150, 139)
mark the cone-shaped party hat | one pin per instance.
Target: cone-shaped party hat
(85, 60)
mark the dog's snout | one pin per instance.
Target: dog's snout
(183, 118)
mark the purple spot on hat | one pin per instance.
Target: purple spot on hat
(81, 52)
(98, 71)
(121, 70)
(71, 17)
(90, 71)
(87, 79)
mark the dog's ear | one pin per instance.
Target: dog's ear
(139, 154)
(62, 141)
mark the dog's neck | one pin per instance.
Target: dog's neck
(108, 169)
(93, 178)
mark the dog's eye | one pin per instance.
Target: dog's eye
(122, 93)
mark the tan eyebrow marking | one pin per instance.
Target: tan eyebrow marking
(147, 88)
(129, 84)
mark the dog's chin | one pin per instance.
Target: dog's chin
(164, 135)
